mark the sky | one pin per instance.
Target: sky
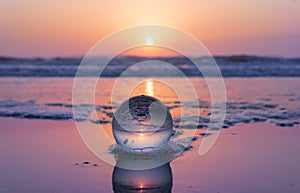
(50, 28)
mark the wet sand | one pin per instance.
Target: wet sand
(49, 156)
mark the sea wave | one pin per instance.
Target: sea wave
(231, 66)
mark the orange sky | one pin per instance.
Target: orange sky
(70, 28)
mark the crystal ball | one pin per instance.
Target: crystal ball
(142, 123)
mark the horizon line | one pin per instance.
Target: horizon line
(140, 56)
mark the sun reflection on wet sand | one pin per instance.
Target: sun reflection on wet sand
(149, 87)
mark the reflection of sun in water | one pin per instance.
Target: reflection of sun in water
(149, 87)
(149, 41)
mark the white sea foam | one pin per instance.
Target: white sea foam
(31, 110)
(237, 112)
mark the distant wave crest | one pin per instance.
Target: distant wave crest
(231, 66)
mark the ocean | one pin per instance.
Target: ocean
(230, 66)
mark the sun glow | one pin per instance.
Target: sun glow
(149, 41)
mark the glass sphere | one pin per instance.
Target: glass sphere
(142, 123)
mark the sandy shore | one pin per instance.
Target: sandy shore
(48, 156)
(246, 158)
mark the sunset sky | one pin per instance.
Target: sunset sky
(70, 28)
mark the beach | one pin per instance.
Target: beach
(257, 150)
(49, 156)
(149, 96)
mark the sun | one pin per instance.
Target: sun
(149, 41)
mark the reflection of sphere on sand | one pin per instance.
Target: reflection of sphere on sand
(142, 123)
(153, 180)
